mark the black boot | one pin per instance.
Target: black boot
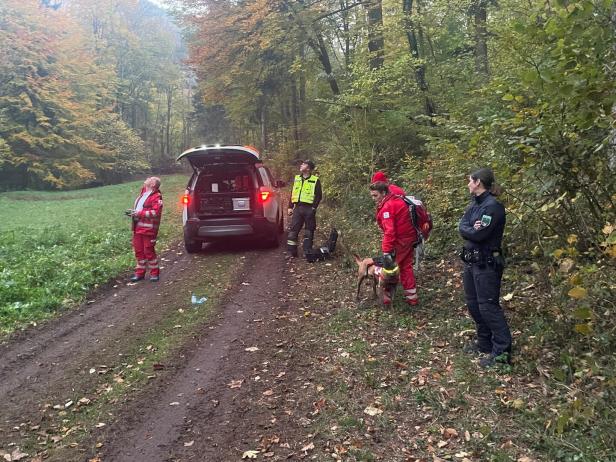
(493, 359)
(292, 248)
(473, 348)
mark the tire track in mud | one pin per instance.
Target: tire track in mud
(152, 428)
(46, 365)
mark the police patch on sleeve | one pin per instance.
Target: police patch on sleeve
(486, 220)
(386, 215)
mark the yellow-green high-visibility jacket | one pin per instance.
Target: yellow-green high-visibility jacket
(306, 190)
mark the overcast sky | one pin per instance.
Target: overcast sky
(160, 3)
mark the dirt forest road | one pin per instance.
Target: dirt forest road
(57, 381)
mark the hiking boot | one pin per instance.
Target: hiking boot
(473, 348)
(491, 360)
(154, 278)
(136, 278)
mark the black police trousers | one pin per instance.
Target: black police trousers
(303, 214)
(482, 284)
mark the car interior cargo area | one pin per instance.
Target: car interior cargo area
(225, 189)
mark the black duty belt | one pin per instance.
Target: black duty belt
(481, 257)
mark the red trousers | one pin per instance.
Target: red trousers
(146, 255)
(404, 259)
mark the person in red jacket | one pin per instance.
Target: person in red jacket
(146, 220)
(380, 176)
(399, 235)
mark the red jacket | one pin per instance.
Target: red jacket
(396, 190)
(147, 220)
(392, 216)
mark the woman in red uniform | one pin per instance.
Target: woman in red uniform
(399, 236)
(146, 220)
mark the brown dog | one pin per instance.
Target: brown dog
(366, 270)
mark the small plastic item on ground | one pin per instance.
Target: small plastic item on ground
(198, 300)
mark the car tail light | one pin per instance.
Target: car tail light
(264, 195)
(185, 199)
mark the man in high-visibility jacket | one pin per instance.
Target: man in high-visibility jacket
(146, 220)
(305, 198)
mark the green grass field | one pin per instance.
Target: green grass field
(57, 246)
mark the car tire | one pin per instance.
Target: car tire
(193, 246)
(274, 237)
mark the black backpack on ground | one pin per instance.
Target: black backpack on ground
(325, 251)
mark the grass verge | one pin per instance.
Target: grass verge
(57, 246)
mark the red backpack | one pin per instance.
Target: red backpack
(420, 217)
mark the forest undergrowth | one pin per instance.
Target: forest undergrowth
(397, 381)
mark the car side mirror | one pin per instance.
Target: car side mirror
(280, 184)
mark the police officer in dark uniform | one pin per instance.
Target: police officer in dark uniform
(305, 198)
(482, 228)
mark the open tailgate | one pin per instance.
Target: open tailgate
(203, 156)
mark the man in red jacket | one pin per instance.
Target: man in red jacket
(380, 176)
(399, 235)
(146, 220)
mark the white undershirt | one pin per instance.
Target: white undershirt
(141, 201)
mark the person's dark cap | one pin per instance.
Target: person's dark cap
(309, 163)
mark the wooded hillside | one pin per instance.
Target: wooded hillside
(90, 92)
(424, 86)
(427, 91)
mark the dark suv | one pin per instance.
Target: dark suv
(230, 193)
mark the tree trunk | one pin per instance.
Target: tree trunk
(318, 46)
(480, 15)
(295, 112)
(301, 108)
(321, 51)
(376, 43)
(346, 31)
(263, 127)
(611, 152)
(420, 69)
(168, 127)
(186, 118)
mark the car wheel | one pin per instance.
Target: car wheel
(274, 237)
(193, 246)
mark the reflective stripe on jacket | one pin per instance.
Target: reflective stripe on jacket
(304, 189)
(148, 219)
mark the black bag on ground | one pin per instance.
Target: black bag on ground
(325, 251)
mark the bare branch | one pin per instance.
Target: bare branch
(346, 8)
